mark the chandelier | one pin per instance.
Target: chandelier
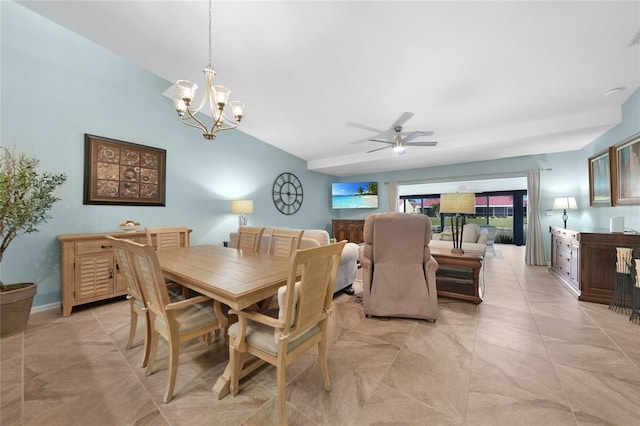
(216, 96)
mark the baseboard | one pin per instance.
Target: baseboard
(43, 308)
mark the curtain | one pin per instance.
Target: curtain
(393, 196)
(534, 253)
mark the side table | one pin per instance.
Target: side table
(458, 275)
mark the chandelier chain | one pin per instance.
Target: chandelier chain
(210, 66)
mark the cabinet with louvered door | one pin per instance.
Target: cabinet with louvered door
(89, 269)
(94, 276)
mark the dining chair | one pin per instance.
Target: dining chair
(176, 322)
(137, 303)
(300, 323)
(284, 242)
(168, 237)
(249, 238)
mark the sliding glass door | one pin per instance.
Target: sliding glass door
(505, 210)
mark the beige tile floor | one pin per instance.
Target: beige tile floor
(530, 354)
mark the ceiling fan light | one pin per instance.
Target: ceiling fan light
(398, 148)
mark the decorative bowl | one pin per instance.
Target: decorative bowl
(129, 225)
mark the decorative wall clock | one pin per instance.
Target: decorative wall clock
(287, 193)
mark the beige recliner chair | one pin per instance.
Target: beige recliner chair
(399, 273)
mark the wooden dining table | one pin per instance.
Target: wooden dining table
(231, 277)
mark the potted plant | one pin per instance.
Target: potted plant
(26, 197)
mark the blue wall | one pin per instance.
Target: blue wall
(57, 86)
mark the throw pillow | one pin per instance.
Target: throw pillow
(470, 234)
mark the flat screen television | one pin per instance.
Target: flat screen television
(354, 195)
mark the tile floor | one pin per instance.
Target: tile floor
(530, 354)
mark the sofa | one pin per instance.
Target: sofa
(314, 238)
(474, 238)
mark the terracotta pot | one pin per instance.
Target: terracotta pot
(15, 307)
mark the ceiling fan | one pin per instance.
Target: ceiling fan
(400, 139)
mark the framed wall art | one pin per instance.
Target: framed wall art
(627, 154)
(600, 178)
(123, 173)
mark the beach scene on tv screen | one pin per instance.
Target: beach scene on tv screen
(354, 195)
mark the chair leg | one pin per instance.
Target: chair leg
(174, 352)
(282, 396)
(153, 348)
(324, 368)
(133, 325)
(147, 336)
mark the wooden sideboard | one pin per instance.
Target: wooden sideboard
(598, 263)
(565, 257)
(351, 230)
(589, 260)
(89, 269)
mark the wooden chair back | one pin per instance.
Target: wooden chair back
(124, 266)
(250, 238)
(309, 305)
(145, 263)
(168, 237)
(284, 242)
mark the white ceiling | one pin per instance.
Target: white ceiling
(490, 79)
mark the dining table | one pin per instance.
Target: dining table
(236, 278)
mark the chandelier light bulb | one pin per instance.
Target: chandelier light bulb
(221, 95)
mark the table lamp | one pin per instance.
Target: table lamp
(565, 203)
(243, 208)
(459, 202)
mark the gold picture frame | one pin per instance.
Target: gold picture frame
(601, 167)
(627, 166)
(123, 173)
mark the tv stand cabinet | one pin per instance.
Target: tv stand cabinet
(351, 230)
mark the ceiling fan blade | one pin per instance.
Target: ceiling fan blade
(422, 132)
(411, 136)
(364, 127)
(402, 119)
(434, 143)
(378, 149)
(380, 140)
(359, 141)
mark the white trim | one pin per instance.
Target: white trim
(48, 307)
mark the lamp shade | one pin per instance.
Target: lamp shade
(565, 203)
(459, 202)
(242, 206)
